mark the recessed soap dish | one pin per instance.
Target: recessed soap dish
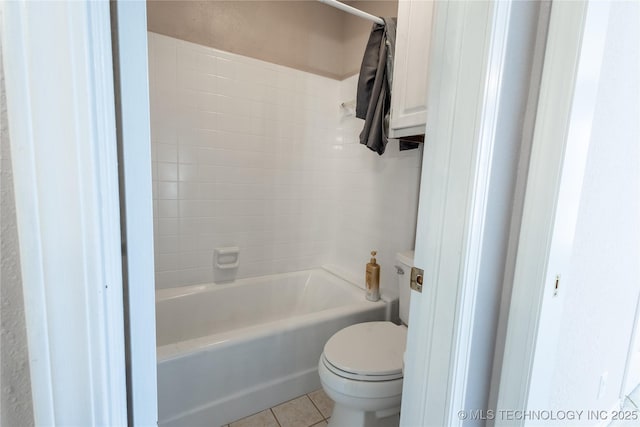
(226, 258)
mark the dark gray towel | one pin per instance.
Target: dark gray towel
(374, 85)
(373, 99)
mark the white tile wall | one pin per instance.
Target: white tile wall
(252, 154)
(377, 199)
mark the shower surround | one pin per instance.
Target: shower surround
(252, 154)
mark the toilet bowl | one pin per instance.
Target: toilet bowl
(361, 367)
(361, 370)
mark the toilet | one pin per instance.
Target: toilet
(361, 367)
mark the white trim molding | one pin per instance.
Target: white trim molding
(129, 29)
(61, 118)
(570, 80)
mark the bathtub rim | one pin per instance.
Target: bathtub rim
(166, 294)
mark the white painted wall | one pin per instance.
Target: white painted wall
(603, 281)
(16, 402)
(252, 154)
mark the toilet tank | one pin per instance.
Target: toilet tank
(404, 262)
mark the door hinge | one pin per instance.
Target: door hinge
(417, 275)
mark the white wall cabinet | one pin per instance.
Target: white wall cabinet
(411, 64)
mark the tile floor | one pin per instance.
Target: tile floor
(313, 409)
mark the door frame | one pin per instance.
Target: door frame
(59, 83)
(558, 159)
(131, 71)
(61, 110)
(454, 191)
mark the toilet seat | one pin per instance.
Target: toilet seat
(359, 377)
(371, 351)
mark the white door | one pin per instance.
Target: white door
(577, 273)
(482, 58)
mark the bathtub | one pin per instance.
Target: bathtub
(228, 351)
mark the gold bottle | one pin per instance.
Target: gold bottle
(373, 279)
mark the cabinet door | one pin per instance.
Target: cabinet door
(411, 64)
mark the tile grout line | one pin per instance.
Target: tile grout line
(275, 417)
(316, 406)
(318, 409)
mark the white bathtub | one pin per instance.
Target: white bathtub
(227, 351)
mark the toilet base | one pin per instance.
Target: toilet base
(343, 416)
(361, 403)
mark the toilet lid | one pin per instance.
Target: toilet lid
(372, 348)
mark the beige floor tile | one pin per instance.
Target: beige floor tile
(299, 412)
(322, 402)
(261, 419)
(320, 424)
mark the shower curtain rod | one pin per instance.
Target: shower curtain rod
(352, 10)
